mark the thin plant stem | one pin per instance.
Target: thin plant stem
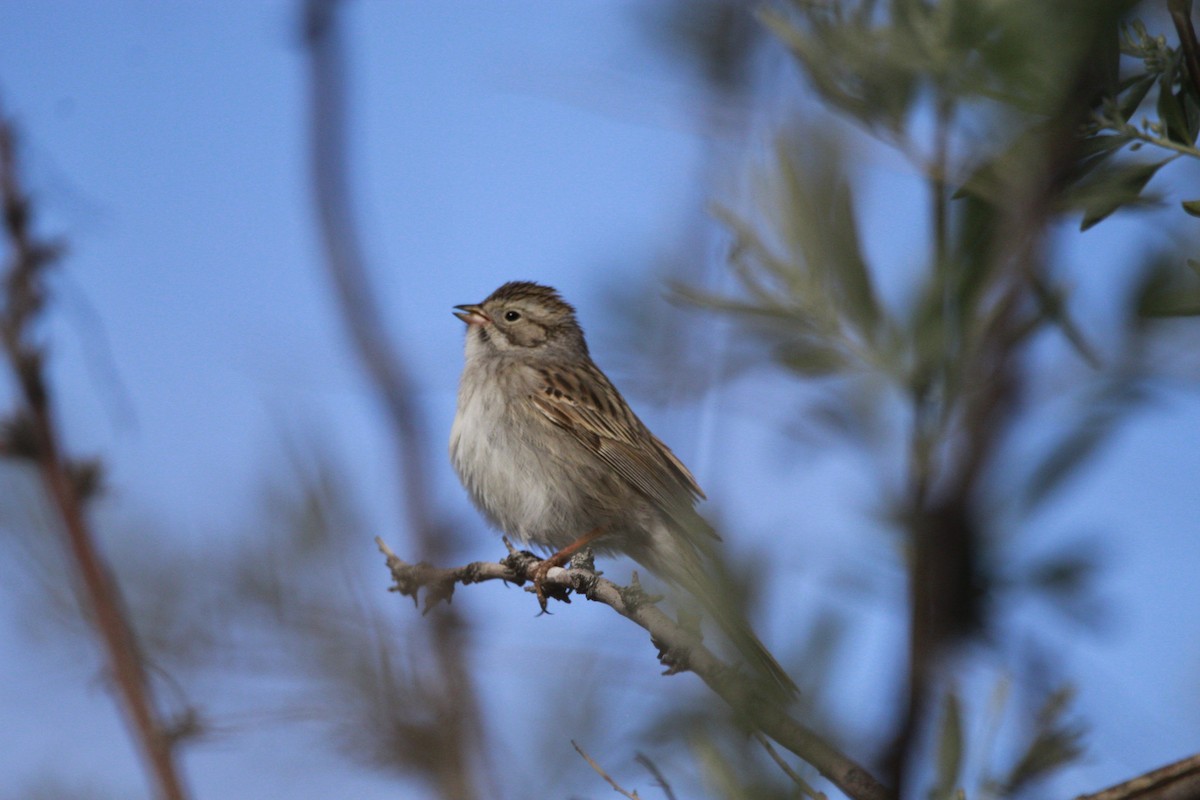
(24, 304)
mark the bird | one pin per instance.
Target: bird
(552, 456)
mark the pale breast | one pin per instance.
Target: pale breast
(512, 463)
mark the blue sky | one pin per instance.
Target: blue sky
(496, 141)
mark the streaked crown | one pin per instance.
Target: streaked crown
(530, 316)
(547, 297)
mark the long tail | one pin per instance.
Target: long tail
(713, 591)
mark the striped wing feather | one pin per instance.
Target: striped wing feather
(588, 407)
(601, 421)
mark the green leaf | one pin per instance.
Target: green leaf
(810, 358)
(1053, 307)
(1170, 110)
(1065, 573)
(1192, 207)
(949, 750)
(866, 71)
(850, 271)
(1101, 145)
(1112, 188)
(774, 314)
(1056, 743)
(991, 180)
(1168, 292)
(1132, 96)
(984, 183)
(1190, 110)
(1182, 307)
(1096, 151)
(1102, 412)
(1062, 462)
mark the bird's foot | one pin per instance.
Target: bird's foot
(539, 575)
(557, 560)
(542, 590)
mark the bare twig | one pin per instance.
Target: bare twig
(660, 780)
(600, 771)
(24, 302)
(680, 649)
(1178, 781)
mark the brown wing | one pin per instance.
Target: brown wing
(585, 404)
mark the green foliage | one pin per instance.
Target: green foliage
(809, 291)
(1053, 740)
(800, 261)
(876, 65)
(1056, 741)
(1015, 116)
(1167, 291)
(1124, 120)
(1114, 186)
(1044, 79)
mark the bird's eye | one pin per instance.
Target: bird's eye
(512, 316)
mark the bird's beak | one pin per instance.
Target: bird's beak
(472, 315)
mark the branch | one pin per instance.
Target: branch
(24, 302)
(600, 771)
(660, 779)
(680, 650)
(347, 266)
(1178, 781)
(386, 369)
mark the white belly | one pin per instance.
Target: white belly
(517, 487)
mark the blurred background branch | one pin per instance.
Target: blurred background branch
(449, 687)
(31, 433)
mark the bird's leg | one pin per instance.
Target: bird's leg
(560, 558)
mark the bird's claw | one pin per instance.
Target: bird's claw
(539, 575)
(545, 591)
